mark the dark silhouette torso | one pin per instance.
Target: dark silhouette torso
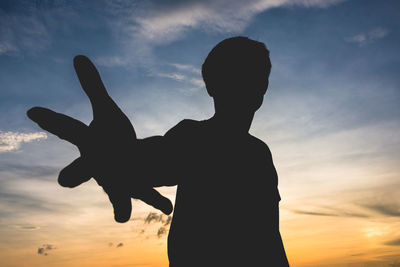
(226, 209)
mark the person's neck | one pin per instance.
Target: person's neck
(233, 123)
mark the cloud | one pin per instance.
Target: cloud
(111, 61)
(10, 141)
(22, 199)
(30, 205)
(28, 170)
(153, 217)
(394, 242)
(161, 231)
(357, 254)
(20, 32)
(43, 250)
(28, 227)
(354, 214)
(167, 23)
(48, 246)
(313, 213)
(339, 213)
(140, 26)
(168, 221)
(111, 244)
(197, 82)
(31, 25)
(179, 77)
(157, 218)
(369, 37)
(186, 67)
(377, 33)
(183, 73)
(388, 209)
(6, 46)
(174, 76)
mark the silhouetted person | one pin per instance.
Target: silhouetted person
(227, 202)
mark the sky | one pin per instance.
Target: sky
(330, 117)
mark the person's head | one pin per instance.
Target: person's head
(236, 74)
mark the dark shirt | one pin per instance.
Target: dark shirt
(226, 210)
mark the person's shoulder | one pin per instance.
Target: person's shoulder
(260, 144)
(186, 125)
(183, 127)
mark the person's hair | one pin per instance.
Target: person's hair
(234, 62)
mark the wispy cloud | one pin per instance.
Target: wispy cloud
(43, 250)
(332, 212)
(7, 46)
(111, 61)
(196, 82)
(186, 67)
(10, 141)
(357, 254)
(173, 76)
(161, 231)
(184, 73)
(368, 37)
(117, 246)
(27, 170)
(153, 217)
(394, 242)
(388, 209)
(315, 213)
(168, 221)
(169, 22)
(22, 32)
(27, 227)
(141, 26)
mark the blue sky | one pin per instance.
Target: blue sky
(344, 45)
(330, 116)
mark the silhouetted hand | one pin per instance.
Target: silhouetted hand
(108, 147)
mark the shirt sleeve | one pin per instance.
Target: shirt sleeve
(162, 157)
